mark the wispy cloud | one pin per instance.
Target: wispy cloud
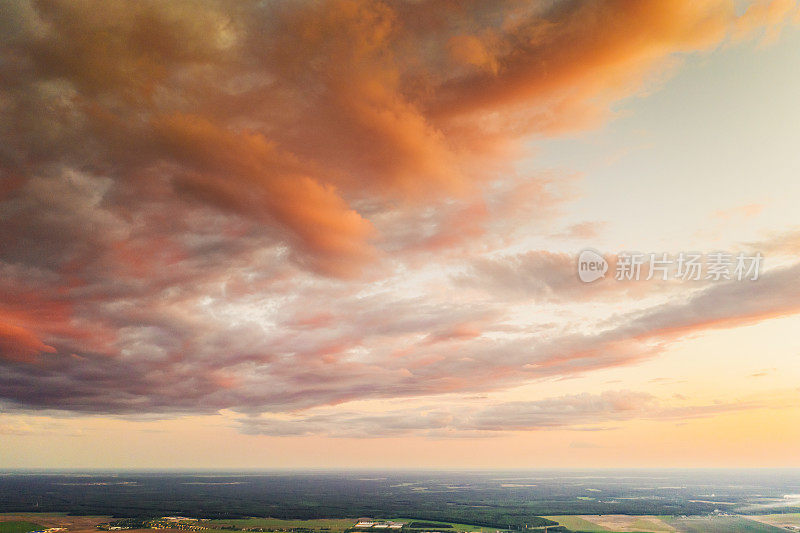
(569, 412)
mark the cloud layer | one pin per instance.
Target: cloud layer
(208, 205)
(578, 412)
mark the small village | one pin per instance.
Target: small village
(368, 523)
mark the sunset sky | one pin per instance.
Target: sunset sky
(345, 233)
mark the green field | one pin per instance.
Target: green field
(785, 519)
(18, 527)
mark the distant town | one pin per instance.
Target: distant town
(196, 524)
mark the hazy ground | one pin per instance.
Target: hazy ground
(624, 501)
(771, 523)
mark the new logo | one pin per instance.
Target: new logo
(591, 266)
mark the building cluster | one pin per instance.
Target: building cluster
(368, 523)
(176, 522)
(165, 522)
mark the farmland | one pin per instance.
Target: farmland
(721, 524)
(663, 524)
(767, 523)
(416, 502)
(18, 526)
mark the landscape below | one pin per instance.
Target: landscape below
(402, 502)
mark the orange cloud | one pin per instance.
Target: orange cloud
(347, 104)
(559, 67)
(19, 344)
(247, 173)
(182, 177)
(767, 17)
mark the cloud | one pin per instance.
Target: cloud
(583, 445)
(724, 305)
(537, 275)
(258, 206)
(582, 231)
(786, 243)
(19, 344)
(569, 58)
(198, 100)
(741, 212)
(569, 412)
(165, 357)
(246, 173)
(544, 276)
(767, 18)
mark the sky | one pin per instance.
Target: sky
(345, 234)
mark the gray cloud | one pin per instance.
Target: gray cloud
(358, 348)
(575, 412)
